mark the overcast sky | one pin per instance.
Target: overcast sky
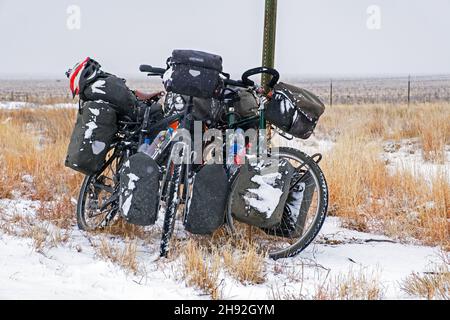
(314, 37)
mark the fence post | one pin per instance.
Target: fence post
(409, 89)
(268, 52)
(331, 92)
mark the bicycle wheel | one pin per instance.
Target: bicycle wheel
(291, 236)
(171, 197)
(98, 200)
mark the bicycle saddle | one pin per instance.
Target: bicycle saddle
(149, 96)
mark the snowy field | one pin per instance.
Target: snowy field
(15, 105)
(73, 269)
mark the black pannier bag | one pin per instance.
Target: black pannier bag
(207, 109)
(246, 106)
(211, 109)
(139, 189)
(109, 88)
(260, 194)
(296, 209)
(206, 206)
(294, 110)
(193, 73)
(94, 131)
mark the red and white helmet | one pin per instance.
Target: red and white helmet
(81, 73)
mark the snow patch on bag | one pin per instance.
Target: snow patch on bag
(97, 85)
(95, 112)
(131, 183)
(90, 129)
(285, 106)
(98, 147)
(266, 197)
(126, 205)
(295, 202)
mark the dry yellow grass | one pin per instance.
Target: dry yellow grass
(201, 269)
(245, 263)
(434, 284)
(365, 194)
(34, 142)
(360, 285)
(352, 285)
(362, 191)
(123, 256)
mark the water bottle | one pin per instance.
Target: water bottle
(159, 143)
(164, 141)
(237, 149)
(145, 147)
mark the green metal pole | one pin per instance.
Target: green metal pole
(268, 52)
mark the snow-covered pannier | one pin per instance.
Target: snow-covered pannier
(206, 207)
(260, 193)
(294, 110)
(109, 88)
(94, 132)
(296, 209)
(139, 189)
(193, 73)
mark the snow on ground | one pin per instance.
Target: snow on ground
(14, 105)
(350, 251)
(407, 155)
(65, 273)
(74, 271)
(311, 146)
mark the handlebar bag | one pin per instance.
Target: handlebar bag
(193, 73)
(139, 189)
(295, 209)
(294, 110)
(259, 195)
(109, 88)
(206, 206)
(92, 136)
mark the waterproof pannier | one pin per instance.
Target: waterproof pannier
(260, 193)
(193, 73)
(246, 106)
(94, 132)
(207, 109)
(296, 208)
(294, 110)
(109, 88)
(139, 189)
(206, 207)
(211, 109)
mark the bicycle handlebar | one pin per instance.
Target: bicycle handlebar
(153, 71)
(245, 82)
(251, 72)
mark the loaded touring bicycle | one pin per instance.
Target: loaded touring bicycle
(277, 195)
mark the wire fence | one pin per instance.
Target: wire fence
(395, 90)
